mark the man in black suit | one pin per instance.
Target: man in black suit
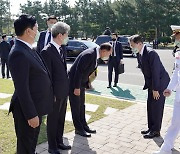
(46, 36)
(12, 40)
(54, 56)
(33, 94)
(4, 52)
(156, 81)
(115, 60)
(79, 73)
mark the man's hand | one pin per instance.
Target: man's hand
(34, 122)
(167, 92)
(156, 95)
(77, 92)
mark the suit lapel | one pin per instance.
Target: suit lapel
(54, 50)
(30, 51)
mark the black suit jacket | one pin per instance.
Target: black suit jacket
(4, 49)
(118, 50)
(33, 86)
(83, 66)
(155, 75)
(57, 69)
(40, 43)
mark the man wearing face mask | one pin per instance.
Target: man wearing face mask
(54, 56)
(4, 52)
(114, 60)
(174, 84)
(79, 73)
(46, 36)
(156, 81)
(33, 95)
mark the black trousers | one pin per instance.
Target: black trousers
(26, 136)
(155, 109)
(113, 64)
(4, 63)
(55, 123)
(78, 109)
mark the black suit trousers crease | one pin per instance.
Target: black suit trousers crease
(4, 63)
(155, 109)
(26, 136)
(78, 109)
(113, 64)
(55, 123)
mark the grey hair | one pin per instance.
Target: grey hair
(60, 28)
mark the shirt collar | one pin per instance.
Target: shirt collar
(29, 45)
(142, 50)
(97, 51)
(56, 45)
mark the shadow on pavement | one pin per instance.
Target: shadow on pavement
(159, 141)
(81, 145)
(118, 92)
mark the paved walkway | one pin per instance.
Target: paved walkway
(118, 133)
(124, 91)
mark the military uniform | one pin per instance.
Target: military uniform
(174, 85)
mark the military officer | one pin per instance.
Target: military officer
(174, 84)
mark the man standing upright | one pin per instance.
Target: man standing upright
(33, 95)
(54, 56)
(79, 73)
(114, 60)
(46, 36)
(174, 85)
(156, 81)
(4, 52)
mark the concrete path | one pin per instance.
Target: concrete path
(118, 133)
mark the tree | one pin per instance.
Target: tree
(4, 15)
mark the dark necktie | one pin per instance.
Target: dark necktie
(49, 38)
(61, 53)
(140, 58)
(113, 48)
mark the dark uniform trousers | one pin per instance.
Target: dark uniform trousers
(78, 109)
(26, 144)
(4, 63)
(55, 123)
(155, 110)
(113, 64)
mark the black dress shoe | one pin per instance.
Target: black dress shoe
(53, 151)
(88, 130)
(82, 133)
(145, 131)
(64, 147)
(109, 86)
(115, 85)
(152, 135)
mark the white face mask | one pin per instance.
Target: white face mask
(65, 41)
(177, 43)
(36, 37)
(50, 26)
(135, 50)
(105, 58)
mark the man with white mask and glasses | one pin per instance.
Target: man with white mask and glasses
(174, 84)
(156, 81)
(46, 36)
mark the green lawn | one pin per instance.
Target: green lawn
(7, 134)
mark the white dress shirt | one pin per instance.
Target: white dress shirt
(46, 38)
